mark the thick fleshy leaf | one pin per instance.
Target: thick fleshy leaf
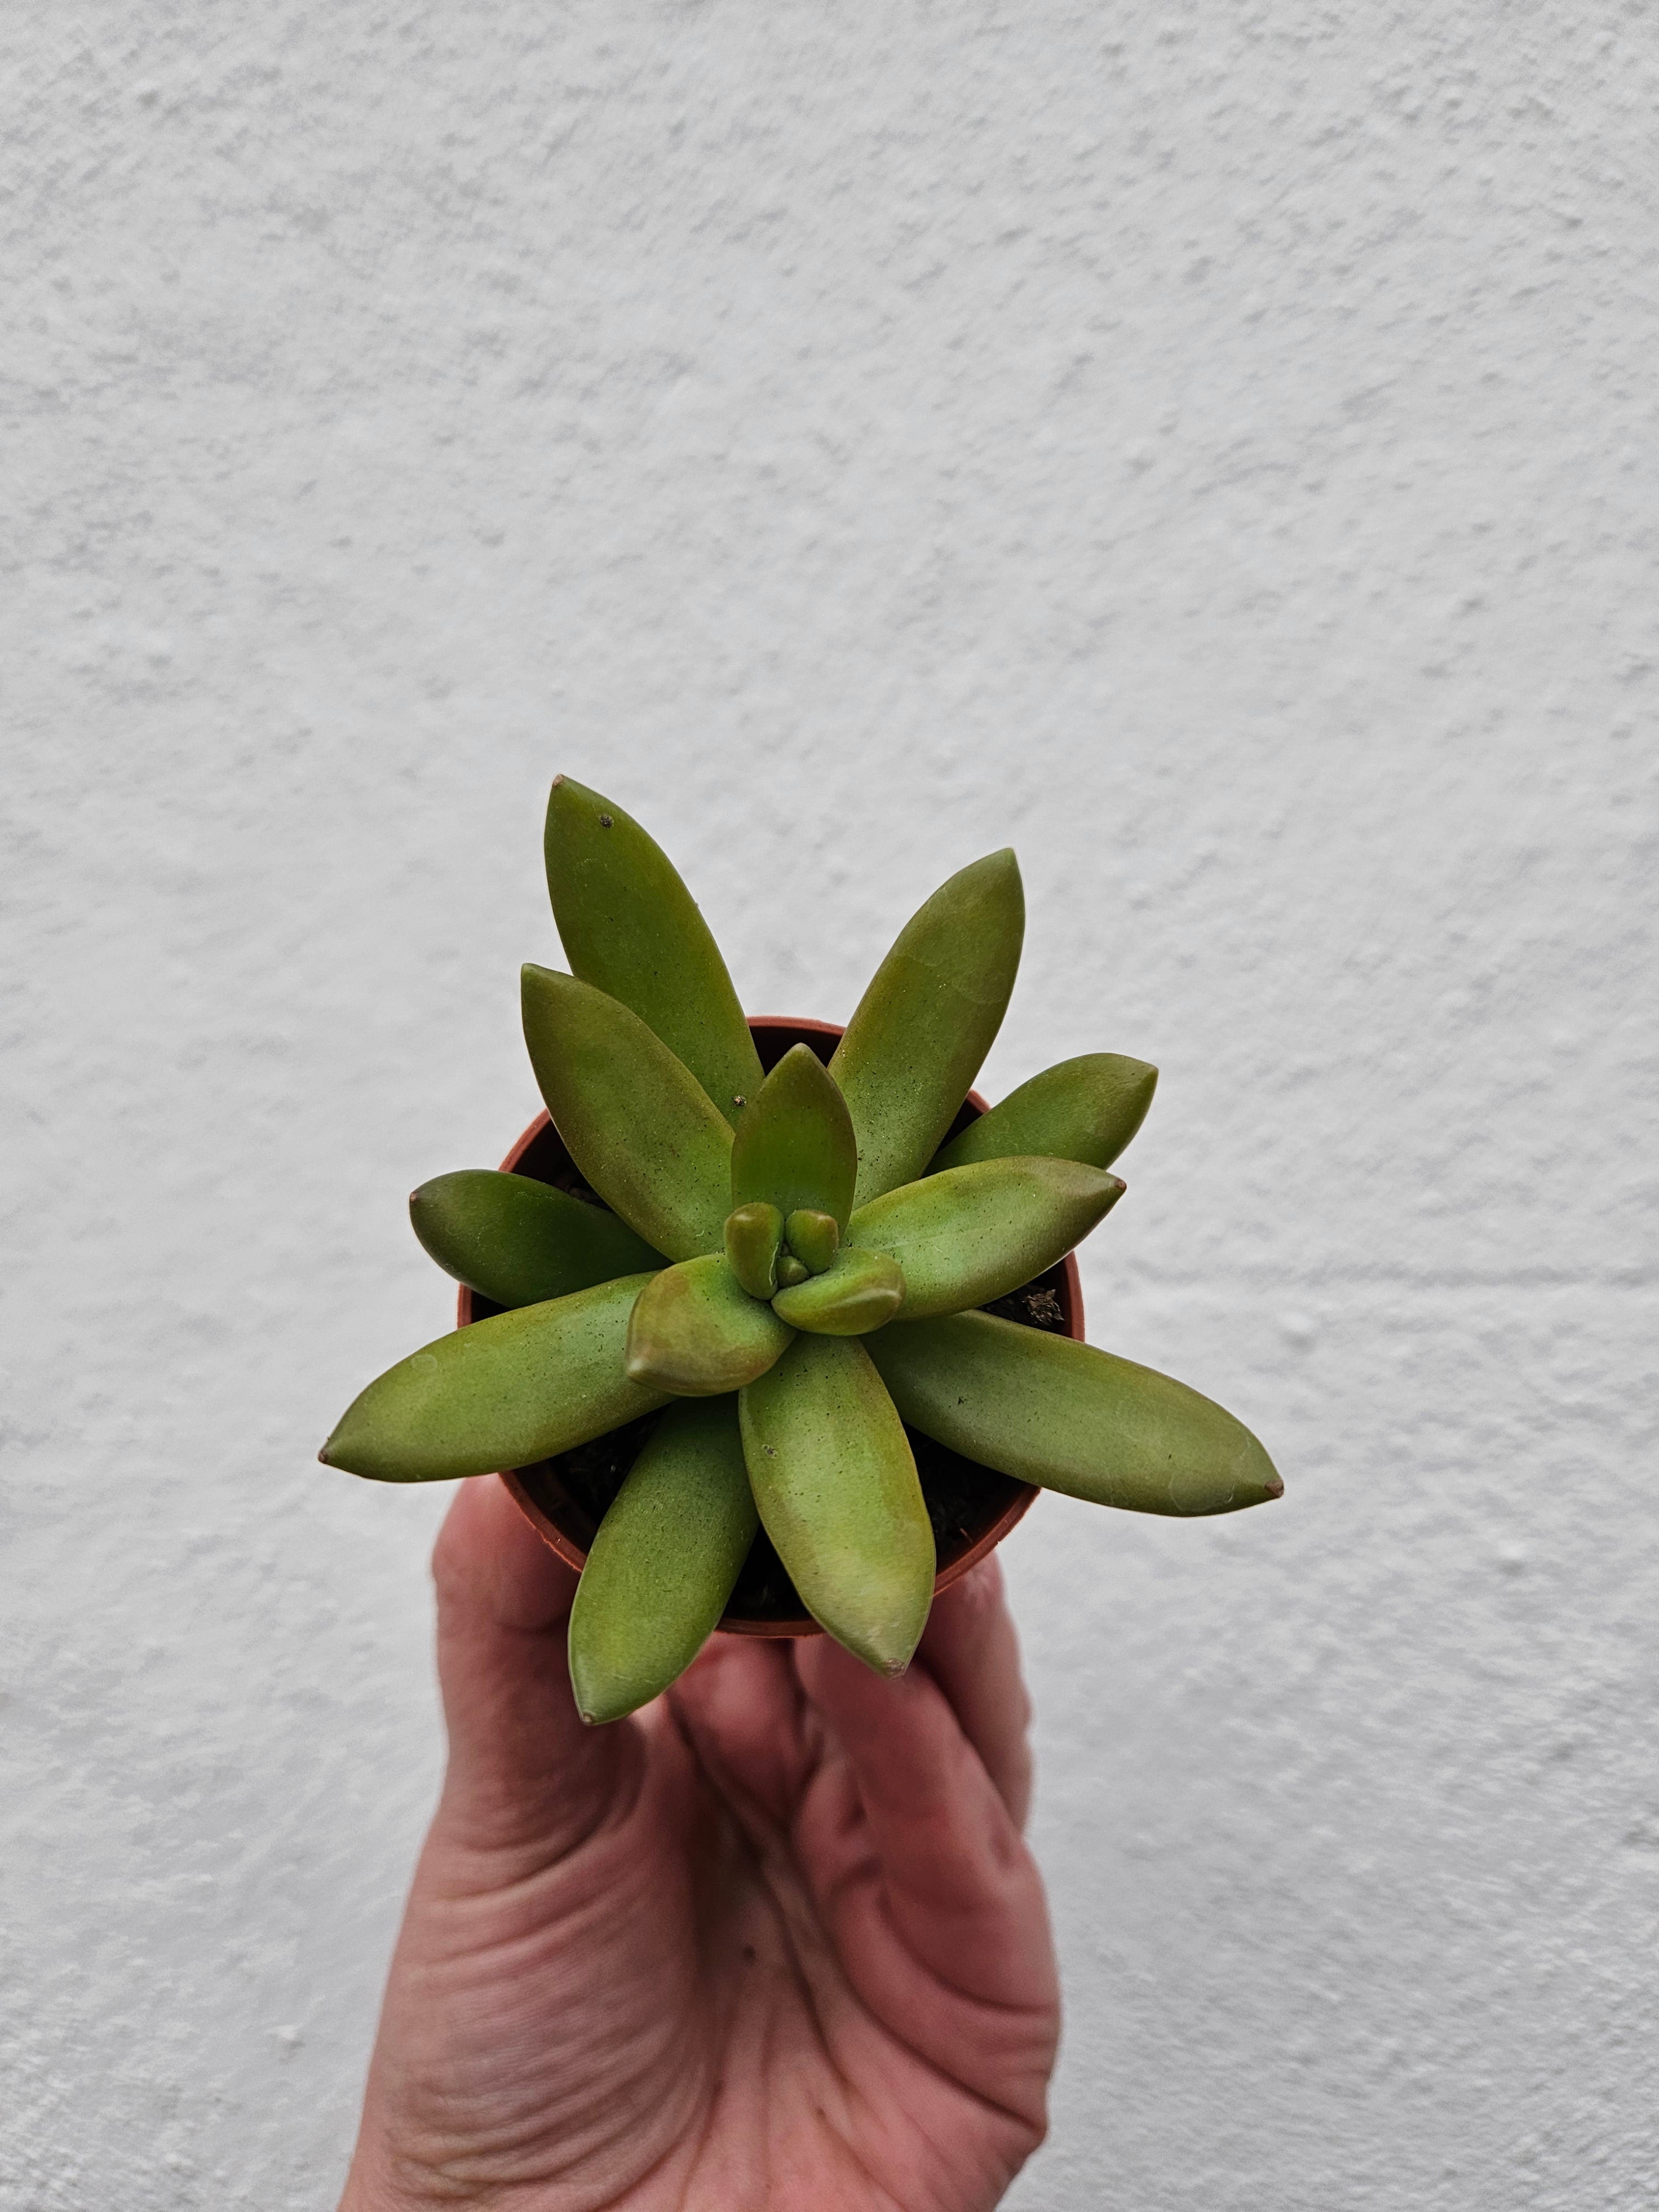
(663, 1563)
(1085, 1108)
(832, 1472)
(636, 1121)
(630, 928)
(795, 1147)
(753, 1234)
(814, 1238)
(503, 1392)
(520, 1240)
(695, 1331)
(973, 1234)
(857, 1291)
(1067, 1417)
(919, 1033)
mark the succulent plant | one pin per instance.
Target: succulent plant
(788, 1269)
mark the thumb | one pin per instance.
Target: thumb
(526, 1778)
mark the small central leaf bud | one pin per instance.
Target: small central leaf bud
(754, 1235)
(791, 1270)
(812, 1237)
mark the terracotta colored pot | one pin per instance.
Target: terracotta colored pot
(559, 1517)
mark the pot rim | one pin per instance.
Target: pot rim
(573, 1554)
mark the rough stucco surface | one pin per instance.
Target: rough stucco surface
(1213, 447)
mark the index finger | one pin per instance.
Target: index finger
(971, 1651)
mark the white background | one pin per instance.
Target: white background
(1211, 446)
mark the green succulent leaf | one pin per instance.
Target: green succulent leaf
(503, 1393)
(663, 1563)
(791, 1270)
(974, 1234)
(1067, 1417)
(753, 1234)
(814, 1238)
(857, 1291)
(832, 1472)
(636, 1121)
(518, 1241)
(795, 1147)
(921, 1032)
(1085, 1108)
(631, 929)
(696, 1332)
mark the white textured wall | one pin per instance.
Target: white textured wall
(1212, 446)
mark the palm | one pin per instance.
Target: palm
(713, 1957)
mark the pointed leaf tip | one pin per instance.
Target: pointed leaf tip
(661, 1568)
(794, 1146)
(1087, 1108)
(921, 1030)
(503, 1392)
(631, 928)
(1067, 1417)
(833, 1475)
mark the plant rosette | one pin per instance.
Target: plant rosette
(972, 1508)
(745, 1296)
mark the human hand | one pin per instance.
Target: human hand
(774, 1942)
